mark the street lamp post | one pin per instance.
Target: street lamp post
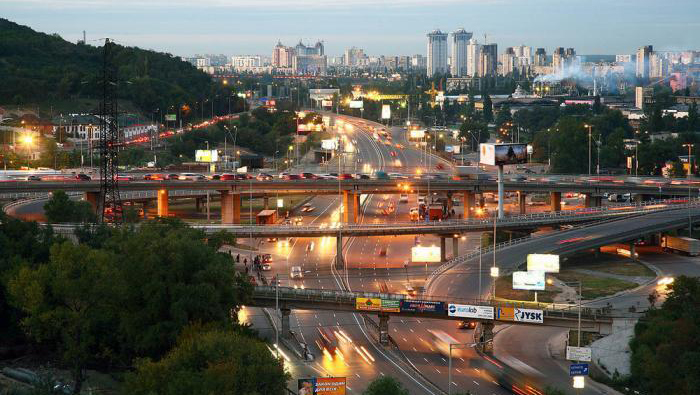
(590, 136)
(690, 170)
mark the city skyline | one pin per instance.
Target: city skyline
(395, 27)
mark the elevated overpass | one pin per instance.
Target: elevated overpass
(599, 320)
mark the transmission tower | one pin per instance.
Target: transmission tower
(110, 209)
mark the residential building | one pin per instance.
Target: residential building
(488, 60)
(643, 55)
(354, 57)
(419, 62)
(507, 61)
(246, 62)
(623, 58)
(437, 53)
(282, 56)
(540, 57)
(458, 60)
(310, 64)
(473, 51)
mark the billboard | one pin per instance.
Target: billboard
(330, 144)
(425, 254)
(321, 385)
(505, 314)
(416, 134)
(547, 263)
(327, 103)
(422, 306)
(170, 117)
(469, 311)
(528, 315)
(502, 154)
(578, 353)
(386, 111)
(208, 156)
(377, 304)
(356, 104)
(529, 281)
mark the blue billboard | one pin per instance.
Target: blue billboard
(422, 306)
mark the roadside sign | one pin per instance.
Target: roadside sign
(422, 306)
(391, 305)
(528, 315)
(321, 385)
(578, 369)
(505, 314)
(578, 353)
(376, 304)
(469, 311)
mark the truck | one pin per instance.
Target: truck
(436, 212)
(470, 173)
(685, 245)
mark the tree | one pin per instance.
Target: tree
(60, 208)
(68, 304)
(693, 118)
(569, 147)
(665, 349)
(213, 361)
(385, 385)
(488, 108)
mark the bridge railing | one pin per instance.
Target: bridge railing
(349, 298)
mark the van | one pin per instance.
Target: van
(403, 198)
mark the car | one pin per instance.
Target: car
(403, 198)
(82, 177)
(296, 273)
(124, 177)
(271, 239)
(465, 324)
(292, 177)
(361, 177)
(307, 208)
(298, 221)
(345, 176)
(281, 175)
(191, 177)
(173, 176)
(308, 176)
(215, 177)
(310, 246)
(263, 177)
(33, 177)
(440, 166)
(392, 153)
(266, 266)
(381, 175)
(267, 258)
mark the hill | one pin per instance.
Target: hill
(39, 68)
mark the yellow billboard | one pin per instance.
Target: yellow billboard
(368, 304)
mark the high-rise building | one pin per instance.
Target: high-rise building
(473, 51)
(245, 62)
(458, 64)
(507, 61)
(488, 60)
(302, 49)
(643, 55)
(658, 65)
(282, 56)
(419, 62)
(563, 59)
(437, 53)
(354, 57)
(310, 64)
(540, 57)
(623, 58)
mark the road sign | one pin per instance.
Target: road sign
(578, 369)
(578, 353)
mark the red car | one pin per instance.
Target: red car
(393, 153)
(82, 177)
(345, 176)
(309, 176)
(291, 177)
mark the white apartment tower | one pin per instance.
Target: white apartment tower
(437, 52)
(458, 64)
(473, 51)
(643, 55)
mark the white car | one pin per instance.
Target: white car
(266, 266)
(296, 272)
(191, 176)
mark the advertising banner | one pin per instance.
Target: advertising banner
(456, 149)
(321, 385)
(505, 314)
(208, 156)
(368, 304)
(469, 311)
(529, 281)
(449, 148)
(529, 315)
(356, 104)
(422, 306)
(547, 263)
(170, 117)
(578, 353)
(330, 144)
(502, 154)
(327, 103)
(376, 304)
(425, 254)
(386, 111)
(416, 134)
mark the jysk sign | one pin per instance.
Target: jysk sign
(422, 306)
(528, 315)
(578, 369)
(469, 311)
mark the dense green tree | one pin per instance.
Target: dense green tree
(569, 146)
(474, 132)
(60, 208)
(488, 107)
(68, 304)
(385, 385)
(665, 349)
(213, 361)
(693, 118)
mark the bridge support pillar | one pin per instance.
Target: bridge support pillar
(339, 262)
(482, 201)
(355, 208)
(486, 337)
(197, 204)
(443, 249)
(346, 206)
(555, 201)
(455, 247)
(384, 329)
(266, 202)
(145, 206)
(162, 200)
(521, 202)
(230, 207)
(284, 319)
(468, 204)
(94, 199)
(633, 252)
